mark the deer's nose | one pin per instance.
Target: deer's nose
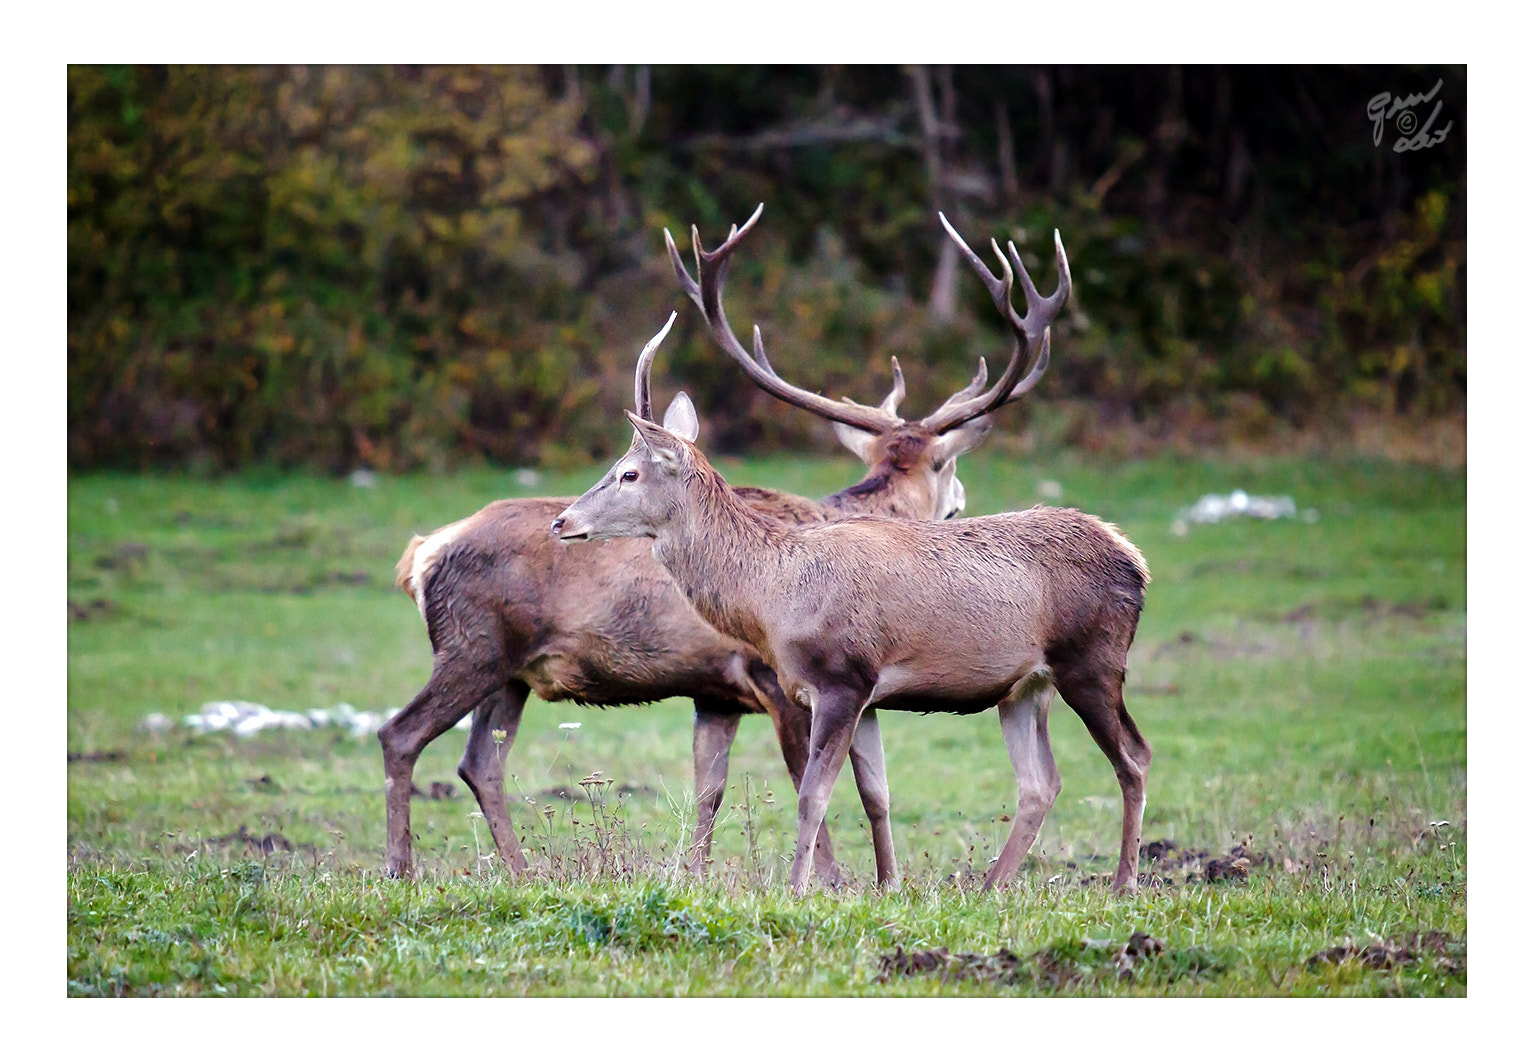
(559, 522)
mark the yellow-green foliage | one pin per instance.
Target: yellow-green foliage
(307, 264)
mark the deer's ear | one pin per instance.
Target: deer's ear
(681, 418)
(665, 449)
(966, 437)
(856, 440)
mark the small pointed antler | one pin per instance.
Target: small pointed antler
(642, 371)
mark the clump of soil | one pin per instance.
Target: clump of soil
(126, 556)
(1166, 858)
(270, 842)
(99, 756)
(1443, 951)
(1053, 967)
(95, 609)
(1003, 967)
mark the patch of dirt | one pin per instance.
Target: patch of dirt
(1373, 609)
(438, 791)
(1003, 967)
(1166, 858)
(1417, 610)
(126, 556)
(1056, 966)
(1301, 613)
(270, 842)
(1445, 953)
(97, 756)
(1188, 643)
(95, 609)
(318, 581)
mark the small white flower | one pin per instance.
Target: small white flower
(570, 726)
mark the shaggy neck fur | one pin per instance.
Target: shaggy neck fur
(720, 550)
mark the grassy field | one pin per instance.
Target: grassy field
(1302, 683)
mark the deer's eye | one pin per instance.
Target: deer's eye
(629, 476)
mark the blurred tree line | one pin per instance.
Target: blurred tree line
(406, 266)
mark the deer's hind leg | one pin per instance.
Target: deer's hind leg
(1093, 686)
(455, 688)
(483, 767)
(714, 730)
(868, 755)
(1025, 719)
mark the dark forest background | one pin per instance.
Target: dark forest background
(407, 267)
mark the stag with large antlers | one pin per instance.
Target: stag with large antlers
(509, 611)
(872, 613)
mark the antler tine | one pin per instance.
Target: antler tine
(689, 285)
(1037, 371)
(1037, 304)
(975, 387)
(706, 294)
(958, 410)
(642, 371)
(1042, 312)
(898, 391)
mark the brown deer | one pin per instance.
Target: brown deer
(508, 610)
(871, 613)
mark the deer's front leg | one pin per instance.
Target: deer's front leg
(833, 720)
(1025, 719)
(791, 723)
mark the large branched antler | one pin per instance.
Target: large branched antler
(706, 294)
(1031, 334)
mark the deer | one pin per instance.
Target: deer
(871, 613)
(510, 612)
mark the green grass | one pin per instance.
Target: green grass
(1303, 686)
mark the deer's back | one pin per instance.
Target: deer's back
(1054, 575)
(597, 622)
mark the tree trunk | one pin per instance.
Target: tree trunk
(943, 301)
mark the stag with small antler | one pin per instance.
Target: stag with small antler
(509, 611)
(871, 613)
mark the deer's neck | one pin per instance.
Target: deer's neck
(725, 556)
(881, 493)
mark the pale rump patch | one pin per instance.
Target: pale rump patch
(1129, 548)
(418, 559)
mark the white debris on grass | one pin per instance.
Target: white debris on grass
(246, 718)
(570, 726)
(1212, 509)
(156, 723)
(363, 478)
(1050, 489)
(526, 477)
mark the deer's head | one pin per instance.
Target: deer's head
(912, 464)
(643, 490)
